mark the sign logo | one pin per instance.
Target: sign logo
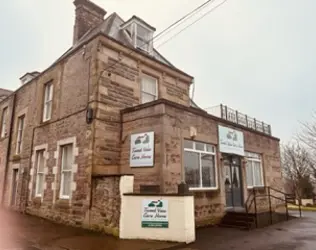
(232, 135)
(142, 150)
(155, 213)
(231, 141)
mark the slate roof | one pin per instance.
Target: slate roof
(111, 28)
(4, 93)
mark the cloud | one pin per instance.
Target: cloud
(255, 56)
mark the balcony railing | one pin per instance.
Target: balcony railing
(224, 112)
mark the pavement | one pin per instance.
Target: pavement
(24, 232)
(295, 234)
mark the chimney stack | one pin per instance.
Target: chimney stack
(88, 16)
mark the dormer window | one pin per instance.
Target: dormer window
(140, 33)
(143, 38)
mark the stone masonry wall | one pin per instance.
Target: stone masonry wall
(207, 131)
(8, 104)
(106, 205)
(176, 121)
(68, 125)
(149, 119)
(88, 16)
(119, 82)
(71, 96)
(26, 106)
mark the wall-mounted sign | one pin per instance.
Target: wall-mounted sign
(231, 141)
(142, 150)
(155, 213)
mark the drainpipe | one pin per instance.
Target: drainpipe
(8, 150)
(182, 187)
(28, 177)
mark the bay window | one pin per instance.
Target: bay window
(254, 170)
(200, 165)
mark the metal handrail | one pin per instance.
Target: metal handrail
(268, 194)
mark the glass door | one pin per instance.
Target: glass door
(233, 182)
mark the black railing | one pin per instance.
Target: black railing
(256, 193)
(237, 117)
(244, 120)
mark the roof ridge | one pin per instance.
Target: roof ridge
(8, 90)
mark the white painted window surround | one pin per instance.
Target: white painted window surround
(66, 171)
(43, 170)
(200, 165)
(48, 101)
(66, 191)
(254, 170)
(149, 89)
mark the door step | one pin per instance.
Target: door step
(239, 220)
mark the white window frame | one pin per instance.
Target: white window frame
(62, 171)
(4, 122)
(145, 45)
(39, 193)
(251, 158)
(19, 139)
(200, 152)
(143, 92)
(48, 101)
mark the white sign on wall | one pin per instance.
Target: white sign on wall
(142, 150)
(231, 141)
(155, 213)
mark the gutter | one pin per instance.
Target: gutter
(8, 149)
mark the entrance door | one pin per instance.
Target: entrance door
(233, 181)
(15, 176)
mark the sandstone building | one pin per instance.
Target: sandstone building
(69, 132)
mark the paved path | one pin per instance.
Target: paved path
(23, 232)
(296, 234)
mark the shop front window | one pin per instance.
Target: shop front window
(200, 165)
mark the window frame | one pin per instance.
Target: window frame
(48, 86)
(144, 92)
(146, 41)
(250, 158)
(19, 138)
(4, 116)
(38, 152)
(62, 171)
(200, 152)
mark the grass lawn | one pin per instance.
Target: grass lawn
(294, 207)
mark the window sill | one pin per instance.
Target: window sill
(64, 198)
(203, 189)
(44, 122)
(63, 203)
(256, 187)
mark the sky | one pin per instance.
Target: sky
(254, 56)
